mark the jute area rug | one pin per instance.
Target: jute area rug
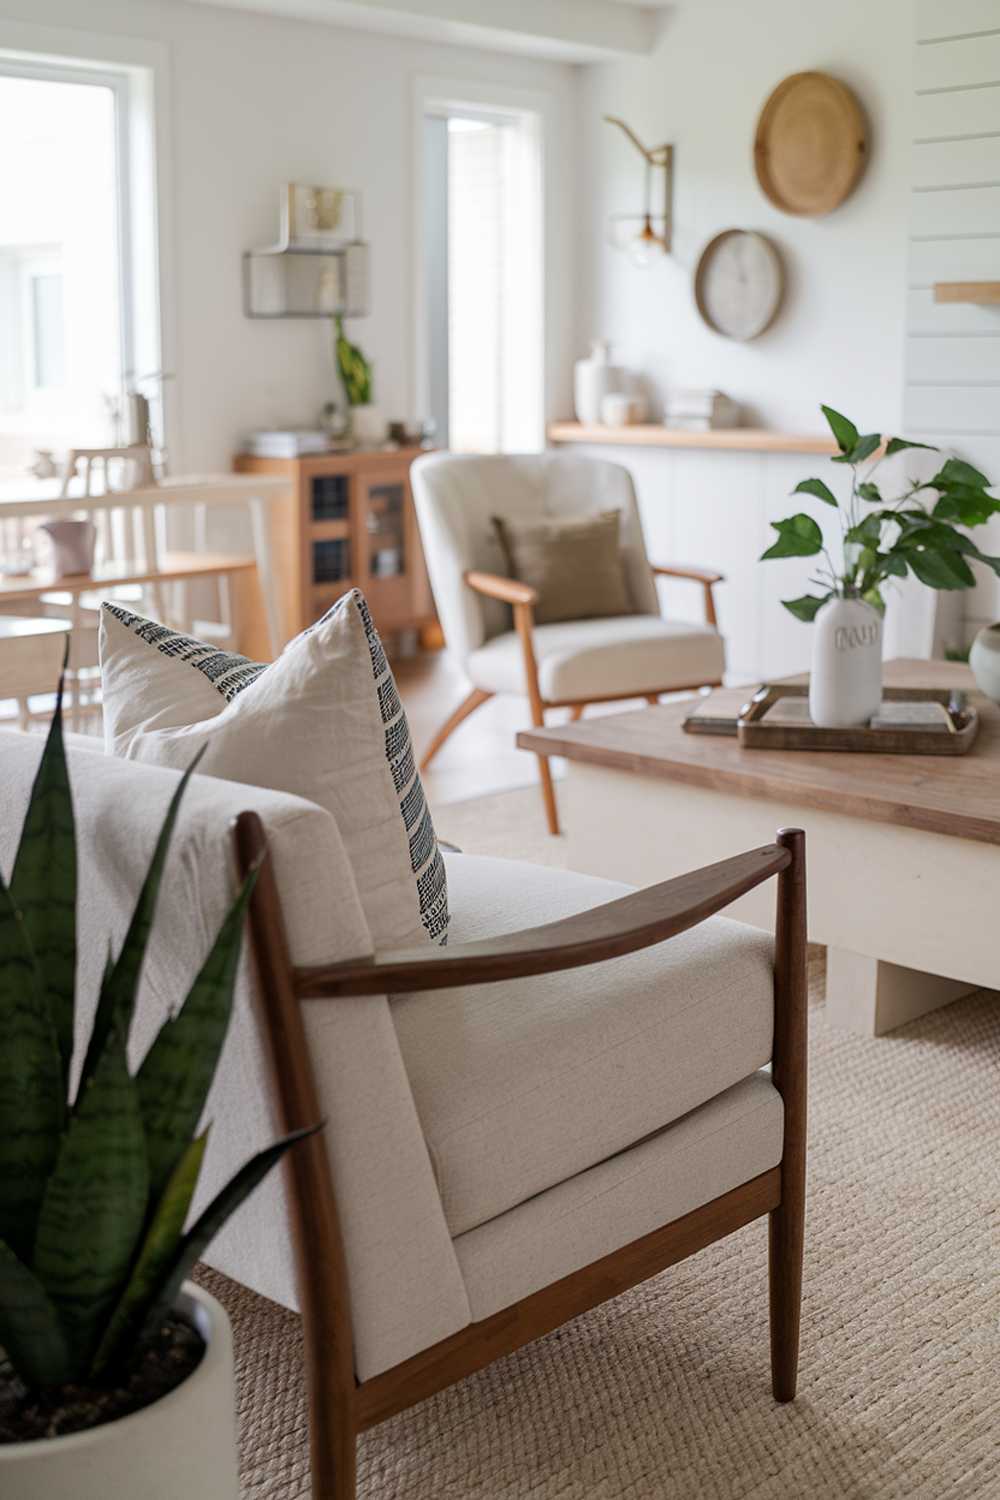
(664, 1392)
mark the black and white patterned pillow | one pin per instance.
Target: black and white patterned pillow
(166, 694)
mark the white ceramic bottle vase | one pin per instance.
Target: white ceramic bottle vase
(593, 379)
(845, 685)
(984, 659)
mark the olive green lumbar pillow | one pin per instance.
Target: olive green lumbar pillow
(574, 562)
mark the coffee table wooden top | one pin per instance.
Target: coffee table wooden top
(959, 795)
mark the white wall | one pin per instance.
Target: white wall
(953, 349)
(256, 101)
(839, 336)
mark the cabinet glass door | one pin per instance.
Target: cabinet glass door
(385, 521)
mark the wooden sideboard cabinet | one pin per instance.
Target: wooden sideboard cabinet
(347, 522)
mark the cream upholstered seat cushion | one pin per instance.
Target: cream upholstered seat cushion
(583, 659)
(521, 1086)
(726, 1142)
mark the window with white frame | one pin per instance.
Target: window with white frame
(484, 277)
(64, 325)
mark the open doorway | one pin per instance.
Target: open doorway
(483, 278)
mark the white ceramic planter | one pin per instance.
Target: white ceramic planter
(593, 379)
(845, 684)
(183, 1447)
(368, 426)
(984, 659)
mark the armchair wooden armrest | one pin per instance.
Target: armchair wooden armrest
(705, 576)
(507, 590)
(636, 921)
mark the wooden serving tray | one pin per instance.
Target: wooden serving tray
(790, 728)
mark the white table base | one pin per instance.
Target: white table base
(910, 918)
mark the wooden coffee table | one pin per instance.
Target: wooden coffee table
(903, 850)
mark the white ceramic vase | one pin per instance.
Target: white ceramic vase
(593, 379)
(845, 685)
(984, 659)
(184, 1445)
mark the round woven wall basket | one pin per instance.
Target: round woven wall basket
(811, 144)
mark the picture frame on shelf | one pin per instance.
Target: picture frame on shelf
(315, 217)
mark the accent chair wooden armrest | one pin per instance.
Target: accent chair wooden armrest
(705, 576)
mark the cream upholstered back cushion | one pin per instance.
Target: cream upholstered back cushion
(456, 495)
(406, 1290)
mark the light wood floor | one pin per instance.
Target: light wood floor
(481, 756)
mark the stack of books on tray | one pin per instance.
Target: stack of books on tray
(691, 409)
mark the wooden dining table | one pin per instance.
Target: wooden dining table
(253, 492)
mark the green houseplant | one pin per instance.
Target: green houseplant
(367, 426)
(96, 1185)
(921, 531)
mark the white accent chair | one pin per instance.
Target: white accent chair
(487, 618)
(506, 1144)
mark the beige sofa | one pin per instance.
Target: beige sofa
(484, 1141)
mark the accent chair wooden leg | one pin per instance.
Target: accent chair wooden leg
(468, 705)
(333, 1449)
(653, 698)
(576, 712)
(548, 794)
(787, 1221)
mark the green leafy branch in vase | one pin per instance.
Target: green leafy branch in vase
(916, 532)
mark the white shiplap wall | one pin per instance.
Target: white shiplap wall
(952, 365)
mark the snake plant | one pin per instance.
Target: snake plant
(96, 1187)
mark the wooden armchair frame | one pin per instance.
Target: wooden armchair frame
(522, 599)
(340, 1407)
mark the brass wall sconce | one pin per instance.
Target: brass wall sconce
(647, 235)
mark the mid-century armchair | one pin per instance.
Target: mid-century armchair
(488, 618)
(568, 1098)
(521, 1279)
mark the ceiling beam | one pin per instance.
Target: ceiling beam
(567, 30)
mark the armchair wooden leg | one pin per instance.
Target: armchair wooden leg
(653, 698)
(469, 705)
(548, 794)
(576, 712)
(787, 1221)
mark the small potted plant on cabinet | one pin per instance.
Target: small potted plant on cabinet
(368, 426)
(881, 538)
(116, 1376)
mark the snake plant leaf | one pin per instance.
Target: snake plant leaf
(178, 1069)
(30, 1332)
(118, 991)
(32, 1102)
(157, 1255)
(43, 883)
(211, 1220)
(95, 1202)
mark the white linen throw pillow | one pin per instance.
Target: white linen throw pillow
(324, 721)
